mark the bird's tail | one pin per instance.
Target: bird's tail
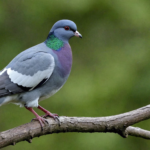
(3, 100)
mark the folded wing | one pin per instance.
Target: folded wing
(26, 72)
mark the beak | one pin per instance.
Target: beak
(78, 34)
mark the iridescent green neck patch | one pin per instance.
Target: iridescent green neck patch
(54, 43)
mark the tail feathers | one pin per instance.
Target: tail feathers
(7, 99)
(2, 100)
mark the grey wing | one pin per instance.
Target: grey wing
(7, 87)
(26, 72)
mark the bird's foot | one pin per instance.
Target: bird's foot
(41, 120)
(54, 116)
(47, 113)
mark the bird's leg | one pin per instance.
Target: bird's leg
(47, 113)
(39, 118)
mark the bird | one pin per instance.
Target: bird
(40, 71)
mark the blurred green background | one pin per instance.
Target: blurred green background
(111, 65)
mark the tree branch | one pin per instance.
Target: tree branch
(120, 124)
(135, 131)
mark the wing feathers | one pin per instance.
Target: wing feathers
(16, 78)
(26, 80)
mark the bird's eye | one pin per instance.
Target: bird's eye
(66, 28)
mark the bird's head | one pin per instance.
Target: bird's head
(65, 29)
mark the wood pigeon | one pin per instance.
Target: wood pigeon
(40, 71)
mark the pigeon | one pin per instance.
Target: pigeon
(40, 71)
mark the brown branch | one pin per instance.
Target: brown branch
(120, 124)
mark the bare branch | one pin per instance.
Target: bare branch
(116, 124)
(138, 132)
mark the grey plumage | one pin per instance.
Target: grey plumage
(40, 71)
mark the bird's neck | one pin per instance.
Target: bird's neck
(53, 42)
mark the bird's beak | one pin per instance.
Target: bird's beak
(78, 34)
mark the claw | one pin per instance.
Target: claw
(54, 116)
(57, 118)
(47, 113)
(42, 121)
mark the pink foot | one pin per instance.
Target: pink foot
(47, 113)
(55, 116)
(41, 120)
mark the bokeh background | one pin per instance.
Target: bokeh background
(111, 65)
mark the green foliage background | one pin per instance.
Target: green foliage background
(111, 65)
